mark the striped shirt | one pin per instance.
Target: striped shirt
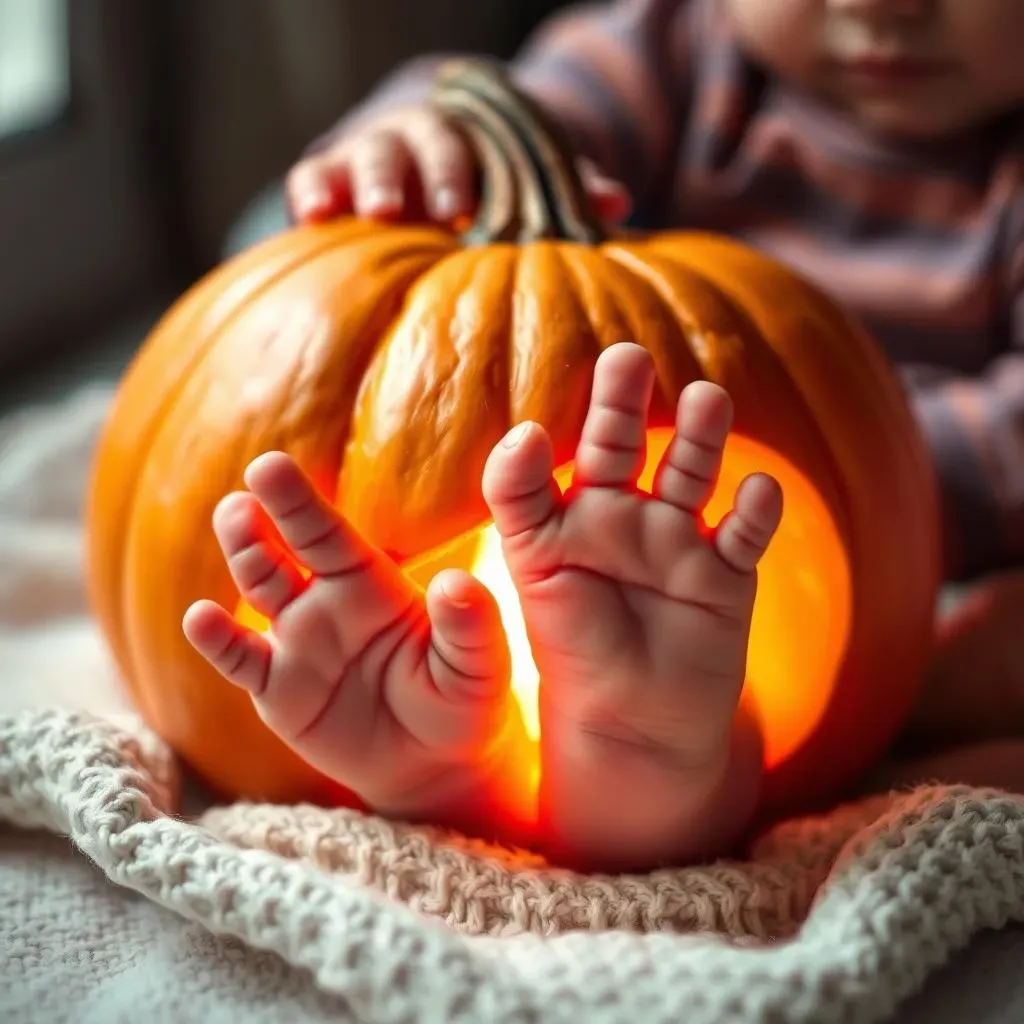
(924, 242)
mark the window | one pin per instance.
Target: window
(34, 68)
(79, 231)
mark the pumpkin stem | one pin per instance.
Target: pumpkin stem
(530, 187)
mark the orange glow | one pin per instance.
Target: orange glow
(801, 617)
(803, 610)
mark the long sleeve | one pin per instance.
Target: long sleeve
(975, 426)
(615, 77)
(612, 75)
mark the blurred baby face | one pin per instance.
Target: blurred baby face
(910, 68)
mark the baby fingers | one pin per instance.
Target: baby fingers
(444, 161)
(319, 538)
(468, 654)
(743, 535)
(262, 570)
(689, 469)
(524, 499)
(372, 170)
(238, 654)
(613, 444)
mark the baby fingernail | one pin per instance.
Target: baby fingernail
(382, 199)
(446, 203)
(312, 204)
(515, 435)
(454, 599)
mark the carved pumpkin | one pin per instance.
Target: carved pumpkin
(390, 359)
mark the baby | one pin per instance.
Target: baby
(877, 146)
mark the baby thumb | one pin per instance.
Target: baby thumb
(469, 655)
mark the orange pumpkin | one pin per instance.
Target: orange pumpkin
(390, 359)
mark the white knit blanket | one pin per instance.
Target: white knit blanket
(257, 913)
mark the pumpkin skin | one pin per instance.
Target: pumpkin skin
(388, 360)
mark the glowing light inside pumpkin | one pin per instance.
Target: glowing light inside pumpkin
(801, 616)
(490, 569)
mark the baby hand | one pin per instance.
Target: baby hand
(409, 163)
(639, 620)
(402, 697)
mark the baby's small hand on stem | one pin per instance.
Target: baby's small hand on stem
(411, 163)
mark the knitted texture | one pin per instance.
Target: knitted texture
(418, 925)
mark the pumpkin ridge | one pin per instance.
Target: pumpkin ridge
(195, 306)
(332, 244)
(412, 433)
(559, 405)
(512, 348)
(866, 367)
(632, 258)
(584, 270)
(334, 458)
(866, 361)
(658, 329)
(432, 403)
(426, 405)
(156, 425)
(593, 280)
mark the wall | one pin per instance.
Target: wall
(255, 80)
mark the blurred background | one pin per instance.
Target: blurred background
(143, 141)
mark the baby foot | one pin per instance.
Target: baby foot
(639, 621)
(401, 697)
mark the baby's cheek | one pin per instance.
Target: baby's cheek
(784, 35)
(985, 36)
